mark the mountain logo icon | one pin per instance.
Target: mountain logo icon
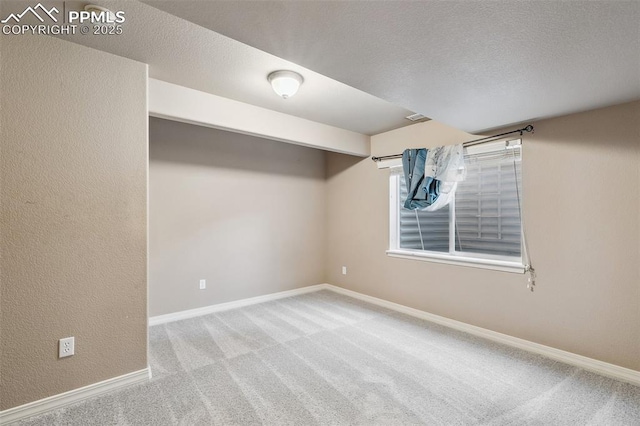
(43, 10)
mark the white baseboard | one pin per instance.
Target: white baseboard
(76, 395)
(600, 367)
(192, 313)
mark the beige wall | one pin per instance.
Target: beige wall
(581, 200)
(72, 216)
(244, 213)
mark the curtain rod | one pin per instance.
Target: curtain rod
(527, 129)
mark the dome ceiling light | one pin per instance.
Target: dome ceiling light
(285, 83)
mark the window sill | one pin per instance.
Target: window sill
(496, 265)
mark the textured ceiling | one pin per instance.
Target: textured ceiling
(187, 54)
(473, 65)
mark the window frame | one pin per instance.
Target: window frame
(453, 257)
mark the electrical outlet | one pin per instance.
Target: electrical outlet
(344, 270)
(203, 284)
(66, 347)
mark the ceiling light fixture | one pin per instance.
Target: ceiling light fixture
(285, 83)
(94, 8)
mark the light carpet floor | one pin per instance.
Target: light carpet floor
(326, 359)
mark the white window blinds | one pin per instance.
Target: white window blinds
(484, 219)
(487, 210)
(422, 230)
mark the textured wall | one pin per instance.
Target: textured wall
(244, 213)
(581, 201)
(72, 216)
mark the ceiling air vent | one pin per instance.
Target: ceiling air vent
(416, 117)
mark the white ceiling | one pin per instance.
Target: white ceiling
(471, 64)
(189, 55)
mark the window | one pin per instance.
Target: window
(480, 227)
